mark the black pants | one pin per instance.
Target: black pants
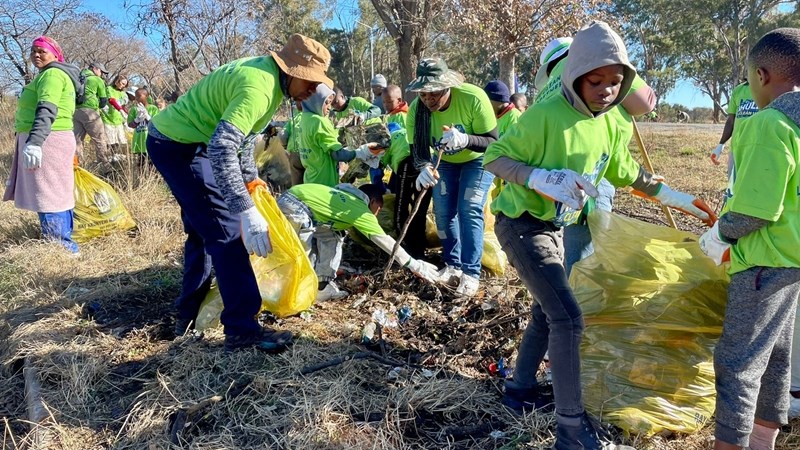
(414, 242)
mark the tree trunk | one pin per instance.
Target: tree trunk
(507, 70)
(407, 64)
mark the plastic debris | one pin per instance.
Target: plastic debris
(499, 368)
(368, 332)
(384, 319)
(404, 314)
(497, 434)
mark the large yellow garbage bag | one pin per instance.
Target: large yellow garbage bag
(98, 208)
(493, 257)
(286, 280)
(653, 306)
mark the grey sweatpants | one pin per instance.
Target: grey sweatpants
(753, 355)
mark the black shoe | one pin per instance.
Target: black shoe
(584, 432)
(266, 339)
(182, 326)
(526, 400)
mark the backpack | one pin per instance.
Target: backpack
(79, 83)
(80, 89)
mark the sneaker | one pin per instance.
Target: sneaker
(526, 400)
(266, 339)
(330, 292)
(449, 275)
(182, 326)
(583, 432)
(468, 287)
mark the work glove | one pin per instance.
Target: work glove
(427, 178)
(370, 155)
(424, 270)
(251, 186)
(717, 153)
(358, 118)
(32, 156)
(686, 203)
(255, 232)
(453, 140)
(562, 185)
(712, 244)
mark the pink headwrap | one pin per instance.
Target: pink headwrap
(50, 45)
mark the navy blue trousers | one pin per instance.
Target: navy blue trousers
(213, 237)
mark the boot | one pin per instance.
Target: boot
(583, 433)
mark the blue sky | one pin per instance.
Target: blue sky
(684, 93)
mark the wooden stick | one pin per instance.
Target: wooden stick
(649, 166)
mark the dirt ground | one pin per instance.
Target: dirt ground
(95, 333)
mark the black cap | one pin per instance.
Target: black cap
(98, 66)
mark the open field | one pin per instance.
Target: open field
(95, 333)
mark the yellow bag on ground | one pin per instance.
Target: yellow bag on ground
(286, 280)
(653, 306)
(98, 208)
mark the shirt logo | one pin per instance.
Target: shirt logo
(746, 109)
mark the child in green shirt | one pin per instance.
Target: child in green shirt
(551, 161)
(759, 232)
(138, 119)
(363, 111)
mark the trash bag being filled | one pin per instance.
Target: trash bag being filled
(286, 280)
(98, 208)
(653, 306)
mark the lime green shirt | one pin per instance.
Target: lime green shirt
(112, 116)
(52, 86)
(398, 118)
(554, 135)
(338, 209)
(767, 186)
(138, 144)
(553, 85)
(245, 93)
(356, 105)
(398, 151)
(470, 111)
(293, 129)
(95, 89)
(317, 140)
(505, 121)
(742, 103)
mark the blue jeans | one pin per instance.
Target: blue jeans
(57, 226)
(458, 200)
(577, 238)
(213, 237)
(534, 247)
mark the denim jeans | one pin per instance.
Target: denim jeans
(534, 248)
(458, 200)
(322, 244)
(577, 238)
(57, 226)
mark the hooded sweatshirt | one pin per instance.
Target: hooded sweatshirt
(319, 144)
(48, 102)
(563, 133)
(762, 219)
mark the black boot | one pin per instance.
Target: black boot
(583, 433)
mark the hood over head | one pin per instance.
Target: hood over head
(314, 103)
(352, 190)
(595, 46)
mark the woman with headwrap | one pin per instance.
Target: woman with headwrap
(320, 150)
(42, 178)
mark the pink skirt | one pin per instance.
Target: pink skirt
(50, 187)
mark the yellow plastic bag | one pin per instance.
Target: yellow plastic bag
(286, 280)
(98, 208)
(653, 307)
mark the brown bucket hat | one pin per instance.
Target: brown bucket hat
(304, 58)
(434, 75)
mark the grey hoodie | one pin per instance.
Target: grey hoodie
(46, 112)
(314, 103)
(595, 46)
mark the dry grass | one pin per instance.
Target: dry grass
(97, 331)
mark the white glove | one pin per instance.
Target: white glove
(454, 141)
(358, 118)
(104, 109)
(685, 202)
(562, 185)
(424, 270)
(32, 156)
(255, 232)
(714, 247)
(715, 155)
(427, 179)
(364, 154)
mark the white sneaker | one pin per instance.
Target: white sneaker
(794, 407)
(331, 292)
(468, 287)
(449, 275)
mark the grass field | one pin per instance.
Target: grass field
(95, 334)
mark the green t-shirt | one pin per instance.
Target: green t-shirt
(111, 116)
(53, 86)
(95, 89)
(356, 104)
(470, 111)
(742, 103)
(138, 144)
(293, 129)
(398, 118)
(245, 93)
(767, 186)
(554, 135)
(398, 151)
(505, 121)
(338, 209)
(317, 140)
(553, 85)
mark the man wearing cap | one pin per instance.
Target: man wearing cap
(377, 84)
(87, 120)
(458, 118)
(203, 147)
(505, 111)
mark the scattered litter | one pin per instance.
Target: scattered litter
(499, 368)
(384, 319)
(307, 316)
(368, 332)
(455, 312)
(496, 434)
(404, 314)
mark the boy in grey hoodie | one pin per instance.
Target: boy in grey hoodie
(759, 233)
(552, 161)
